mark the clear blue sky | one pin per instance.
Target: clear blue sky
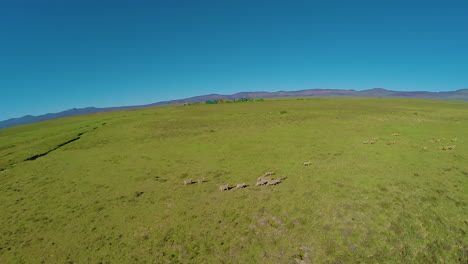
(56, 55)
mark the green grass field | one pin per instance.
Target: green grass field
(115, 194)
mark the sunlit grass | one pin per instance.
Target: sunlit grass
(116, 195)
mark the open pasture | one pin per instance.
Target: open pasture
(382, 184)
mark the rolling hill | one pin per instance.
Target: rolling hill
(376, 92)
(387, 183)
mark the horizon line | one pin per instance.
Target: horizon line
(194, 96)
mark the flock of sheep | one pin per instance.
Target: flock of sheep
(264, 180)
(449, 147)
(267, 180)
(190, 181)
(391, 142)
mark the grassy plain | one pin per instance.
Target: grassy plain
(115, 194)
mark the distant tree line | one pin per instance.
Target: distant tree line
(224, 101)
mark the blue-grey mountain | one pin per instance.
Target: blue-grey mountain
(376, 92)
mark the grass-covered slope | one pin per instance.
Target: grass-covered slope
(107, 188)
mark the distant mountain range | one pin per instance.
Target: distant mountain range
(376, 92)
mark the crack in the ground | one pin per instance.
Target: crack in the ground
(47, 152)
(59, 146)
